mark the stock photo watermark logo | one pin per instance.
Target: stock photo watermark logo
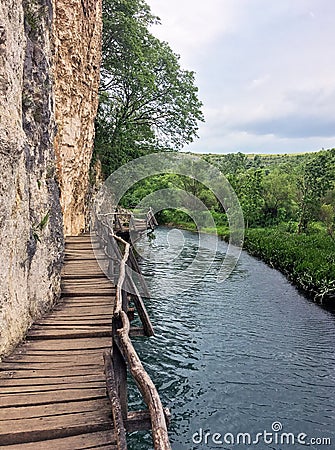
(276, 436)
(197, 171)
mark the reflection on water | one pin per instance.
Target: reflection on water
(237, 356)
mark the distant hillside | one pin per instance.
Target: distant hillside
(226, 162)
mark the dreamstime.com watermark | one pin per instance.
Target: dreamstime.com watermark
(276, 436)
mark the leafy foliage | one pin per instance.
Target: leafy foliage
(307, 260)
(147, 101)
(289, 208)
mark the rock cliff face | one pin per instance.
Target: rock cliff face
(49, 62)
(31, 224)
(77, 36)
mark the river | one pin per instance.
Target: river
(245, 356)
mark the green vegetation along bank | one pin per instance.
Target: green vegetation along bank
(288, 204)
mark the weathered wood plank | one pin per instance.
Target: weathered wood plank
(52, 427)
(82, 441)
(17, 382)
(54, 409)
(69, 334)
(74, 344)
(51, 373)
(40, 398)
(83, 321)
(35, 365)
(49, 388)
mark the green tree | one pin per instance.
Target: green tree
(249, 189)
(147, 101)
(316, 177)
(327, 215)
(279, 193)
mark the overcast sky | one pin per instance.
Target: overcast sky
(265, 71)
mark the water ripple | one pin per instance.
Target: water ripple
(236, 356)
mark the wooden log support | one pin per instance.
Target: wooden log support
(122, 277)
(134, 265)
(119, 427)
(124, 300)
(120, 371)
(141, 309)
(145, 385)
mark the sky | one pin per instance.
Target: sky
(265, 70)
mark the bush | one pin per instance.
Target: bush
(308, 260)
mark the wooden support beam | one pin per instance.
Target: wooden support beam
(115, 402)
(120, 371)
(141, 309)
(145, 385)
(134, 265)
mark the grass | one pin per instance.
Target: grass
(308, 260)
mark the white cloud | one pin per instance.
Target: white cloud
(191, 25)
(265, 70)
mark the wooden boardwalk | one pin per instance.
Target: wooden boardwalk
(53, 387)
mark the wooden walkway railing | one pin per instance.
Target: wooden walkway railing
(125, 222)
(122, 355)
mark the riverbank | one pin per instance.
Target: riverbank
(307, 260)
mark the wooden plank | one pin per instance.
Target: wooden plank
(69, 334)
(49, 388)
(136, 332)
(54, 409)
(28, 349)
(90, 282)
(86, 292)
(35, 365)
(78, 315)
(88, 327)
(54, 358)
(87, 301)
(40, 398)
(17, 382)
(96, 300)
(65, 344)
(53, 427)
(82, 441)
(51, 373)
(81, 312)
(69, 321)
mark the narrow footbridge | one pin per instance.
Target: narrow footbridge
(65, 387)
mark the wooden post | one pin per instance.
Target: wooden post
(120, 372)
(141, 309)
(112, 392)
(134, 265)
(124, 301)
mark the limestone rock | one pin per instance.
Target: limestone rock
(30, 216)
(49, 75)
(77, 37)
